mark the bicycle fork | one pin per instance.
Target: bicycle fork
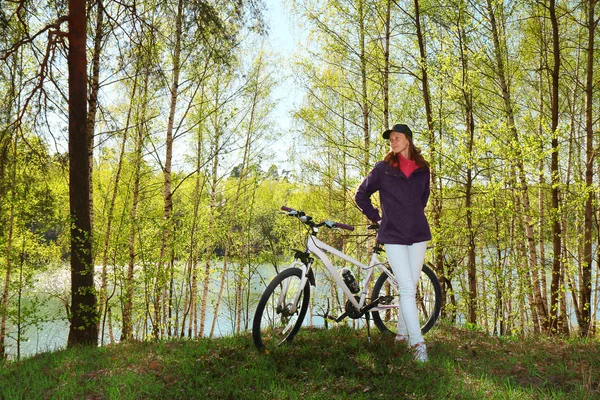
(305, 278)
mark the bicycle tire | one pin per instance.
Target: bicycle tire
(429, 302)
(271, 327)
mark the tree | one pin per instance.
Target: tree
(436, 203)
(586, 326)
(167, 191)
(83, 329)
(554, 170)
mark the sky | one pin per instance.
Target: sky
(281, 26)
(283, 38)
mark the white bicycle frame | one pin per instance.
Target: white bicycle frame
(320, 249)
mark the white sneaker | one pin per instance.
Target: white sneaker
(420, 352)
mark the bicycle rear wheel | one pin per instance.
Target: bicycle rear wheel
(275, 321)
(429, 302)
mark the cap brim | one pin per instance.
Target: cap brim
(386, 134)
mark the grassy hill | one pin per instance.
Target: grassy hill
(320, 364)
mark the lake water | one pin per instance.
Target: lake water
(53, 288)
(51, 334)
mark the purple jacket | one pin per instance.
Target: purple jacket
(403, 202)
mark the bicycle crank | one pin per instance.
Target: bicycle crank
(352, 311)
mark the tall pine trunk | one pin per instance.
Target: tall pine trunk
(83, 328)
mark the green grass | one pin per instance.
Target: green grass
(319, 364)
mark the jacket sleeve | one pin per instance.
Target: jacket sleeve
(363, 195)
(426, 192)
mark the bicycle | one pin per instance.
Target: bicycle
(284, 303)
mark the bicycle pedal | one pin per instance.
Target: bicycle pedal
(336, 319)
(386, 300)
(341, 317)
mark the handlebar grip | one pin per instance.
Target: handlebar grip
(344, 226)
(284, 208)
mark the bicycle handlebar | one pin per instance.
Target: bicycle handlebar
(308, 220)
(344, 226)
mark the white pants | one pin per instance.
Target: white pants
(406, 262)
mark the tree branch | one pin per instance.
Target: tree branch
(53, 28)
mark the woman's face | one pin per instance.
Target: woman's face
(399, 143)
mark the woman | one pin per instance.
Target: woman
(402, 180)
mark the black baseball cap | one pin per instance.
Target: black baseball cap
(402, 128)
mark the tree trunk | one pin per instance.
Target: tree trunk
(20, 302)
(91, 124)
(470, 133)
(167, 193)
(83, 329)
(562, 324)
(499, 281)
(586, 282)
(194, 240)
(363, 79)
(93, 106)
(555, 178)
(386, 66)
(543, 187)
(109, 217)
(127, 332)
(5, 145)
(198, 193)
(246, 252)
(525, 278)
(210, 240)
(9, 251)
(435, 199)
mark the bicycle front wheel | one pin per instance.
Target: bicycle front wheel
(277, 319)
(429, 302)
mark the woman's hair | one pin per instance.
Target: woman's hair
(414, 153)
